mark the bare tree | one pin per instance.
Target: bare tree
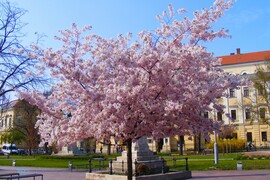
(256, 107)
(17, 68)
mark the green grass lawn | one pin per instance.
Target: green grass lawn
(195, 162)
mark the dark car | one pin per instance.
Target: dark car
(21, 152)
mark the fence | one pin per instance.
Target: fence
(140, 167)
(92, 164)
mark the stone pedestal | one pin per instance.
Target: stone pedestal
(140, 153)
(64, 152)
(70, 150)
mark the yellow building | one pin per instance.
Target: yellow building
(241, 102)
(239, 105)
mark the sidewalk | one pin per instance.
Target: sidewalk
(48, 173)
(231, 175)
(65, 174)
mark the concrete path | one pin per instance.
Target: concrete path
(48, 173)
(231, 175)
(65, 174)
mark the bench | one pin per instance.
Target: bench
(24, 176)
(9, 174)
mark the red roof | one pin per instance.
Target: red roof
(245, 58)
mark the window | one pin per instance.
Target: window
(150, 141)
(244, 73)
(10, 121)
(246, 92)
(248, 116)
(232, 93)
(262, 113)
(249, 136)
(205, 114)
(233, 114)
(6, 122)
(260, 91)
(2, 122)
(219, 116)
(166, 140)
(264, 136)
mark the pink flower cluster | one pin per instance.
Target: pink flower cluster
(157, 86)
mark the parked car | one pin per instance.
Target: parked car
(9, 149)
(41, 151)
(21, 152)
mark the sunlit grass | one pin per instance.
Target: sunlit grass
(195, 162)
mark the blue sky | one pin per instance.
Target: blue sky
(248, 21)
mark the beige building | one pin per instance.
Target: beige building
(246, 105)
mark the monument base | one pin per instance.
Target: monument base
(142, 155)
(167, 176)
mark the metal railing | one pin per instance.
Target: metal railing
(92, 164)
(140, 167)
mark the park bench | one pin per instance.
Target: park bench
(23, 176)
(9, 174)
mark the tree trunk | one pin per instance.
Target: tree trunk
(181, 143)
(129, 158)
(226, 146)
(199, 144)
(30, 151)
(109, 149)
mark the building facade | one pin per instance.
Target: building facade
(246, 105)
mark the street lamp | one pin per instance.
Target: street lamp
(215, 148)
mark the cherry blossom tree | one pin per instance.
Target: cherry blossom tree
(156, 86)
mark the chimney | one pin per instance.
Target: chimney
(232, 53)
(238, 51)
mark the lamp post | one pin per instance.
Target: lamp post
(215, 148)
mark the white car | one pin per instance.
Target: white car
(9, 149)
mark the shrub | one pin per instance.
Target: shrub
(143, 169)
(232, 145)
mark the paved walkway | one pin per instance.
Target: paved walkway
(65, 174)
(48, 173)
(231, 175)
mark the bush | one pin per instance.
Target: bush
(143, 169)
(163, 153)
(228, 145)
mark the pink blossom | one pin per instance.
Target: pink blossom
(157, 86)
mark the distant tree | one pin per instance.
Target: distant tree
(25, 125)
(23, 130)
(12, 136)
(227, 132)
(261, 82)
(17, 63)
